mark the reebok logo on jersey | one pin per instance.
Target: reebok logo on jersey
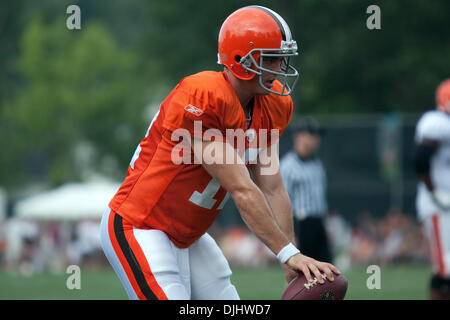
(194, 110)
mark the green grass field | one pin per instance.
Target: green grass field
(397, 282)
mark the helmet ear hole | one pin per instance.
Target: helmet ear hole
(237, 58)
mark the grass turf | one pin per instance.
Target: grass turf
(397, 282)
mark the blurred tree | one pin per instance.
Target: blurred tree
(79, 87)
(11, 27)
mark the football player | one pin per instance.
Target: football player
(432, 162)
(154, 232)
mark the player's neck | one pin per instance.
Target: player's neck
(240, 88)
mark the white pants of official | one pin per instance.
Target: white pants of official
(150, 266)
(437, 228)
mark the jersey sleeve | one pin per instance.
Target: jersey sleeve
(433, 126)
(195, 110)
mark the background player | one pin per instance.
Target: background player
(154, 231)
(432, 161)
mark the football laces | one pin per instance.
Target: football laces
(313, 282)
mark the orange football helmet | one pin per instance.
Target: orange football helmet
(443, 96)
(252, 33)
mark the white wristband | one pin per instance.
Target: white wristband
(287, 252)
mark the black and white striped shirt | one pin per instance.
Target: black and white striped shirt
(305, 182)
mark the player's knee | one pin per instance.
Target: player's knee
(220, 289)
(229, 293)
(172, 285)
(440, 284)
(176, 291)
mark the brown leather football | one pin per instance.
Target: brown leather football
(300, 289)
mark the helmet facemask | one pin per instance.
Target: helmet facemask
(287, 77)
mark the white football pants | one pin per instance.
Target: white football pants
(150, 266)
(437, 228)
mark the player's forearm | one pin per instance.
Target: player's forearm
(256, 213)
(249, 199)
(281, 207)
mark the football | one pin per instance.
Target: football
(300, 289)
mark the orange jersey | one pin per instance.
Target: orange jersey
(182, 199)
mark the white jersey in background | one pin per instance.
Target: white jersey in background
(434, 125)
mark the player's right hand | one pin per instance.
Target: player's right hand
(289, 273)
(312, 268)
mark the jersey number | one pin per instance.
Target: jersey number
(206, 198)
